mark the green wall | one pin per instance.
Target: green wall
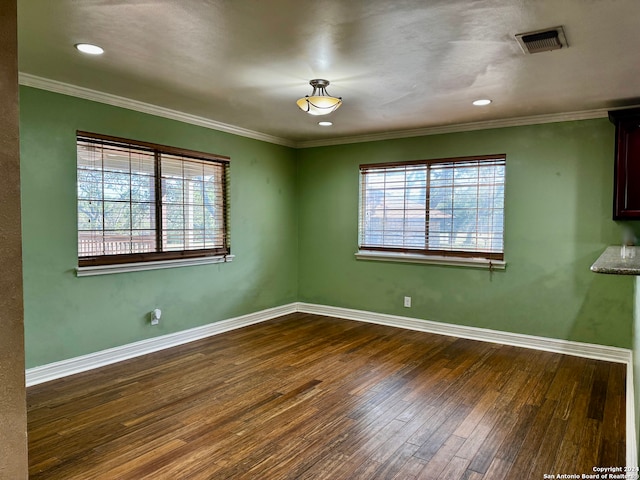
(294, 233)
(66, 316)
(558, 220)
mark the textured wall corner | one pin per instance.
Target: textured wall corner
(13, 418)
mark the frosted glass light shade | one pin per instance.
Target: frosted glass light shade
(319, 102)
(319, 105)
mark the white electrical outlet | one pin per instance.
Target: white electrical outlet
(155, 316)
(407, 302)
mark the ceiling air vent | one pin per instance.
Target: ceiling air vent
(542, 40)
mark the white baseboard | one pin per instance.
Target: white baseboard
(630, 415)
(52, 371)
(587, 350)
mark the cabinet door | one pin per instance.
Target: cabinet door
(626, 202)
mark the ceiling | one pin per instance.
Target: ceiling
(399, 65)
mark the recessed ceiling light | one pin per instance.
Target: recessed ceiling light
(325, 124)
(89, 48)
(482, 102)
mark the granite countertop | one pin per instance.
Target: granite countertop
(612, 262)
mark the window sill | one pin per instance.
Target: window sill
(141, 266)
(431, 259)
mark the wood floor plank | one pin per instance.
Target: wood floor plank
(438, 462)
(455, 470)
(311, 397)
(482, 406)
(499, 470)
(502, 422)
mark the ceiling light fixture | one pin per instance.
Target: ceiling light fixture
(89, 48)
(319, 102)
(482, 102)
(325, 124)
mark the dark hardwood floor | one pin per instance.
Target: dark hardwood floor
(310, 397)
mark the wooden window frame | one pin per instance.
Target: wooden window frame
(426, 251)
(160, 255)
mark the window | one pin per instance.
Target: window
(448, 207)
(140, 202)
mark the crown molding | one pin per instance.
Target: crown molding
(461, 127)
(29, 80)
(55, 86)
